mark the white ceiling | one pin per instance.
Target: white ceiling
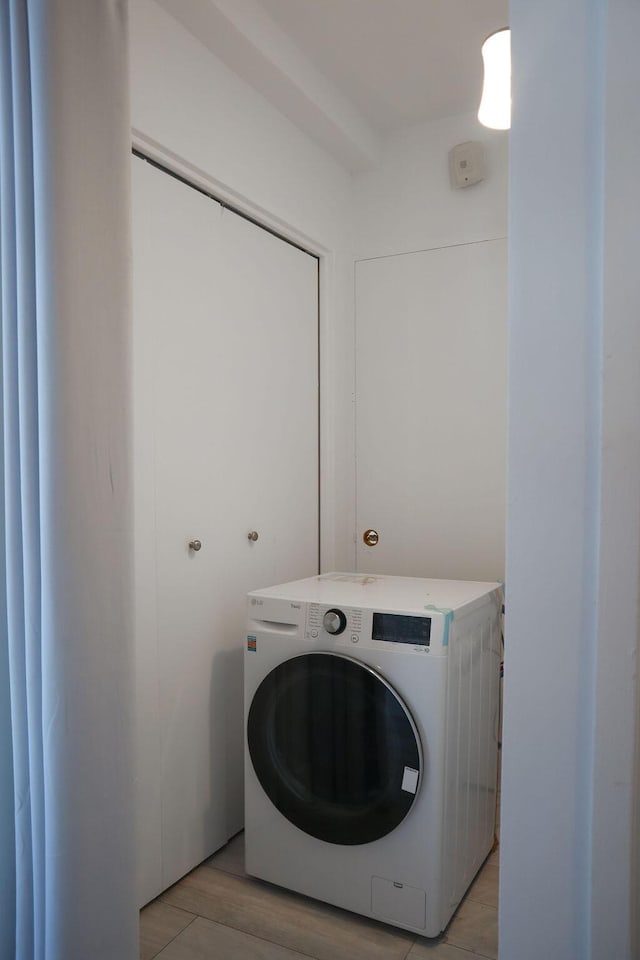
(398, 61)
(349, 72)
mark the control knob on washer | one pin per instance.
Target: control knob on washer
(334, 621)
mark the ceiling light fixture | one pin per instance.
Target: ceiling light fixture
(495, 106)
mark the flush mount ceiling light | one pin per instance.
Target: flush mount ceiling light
(495, 106)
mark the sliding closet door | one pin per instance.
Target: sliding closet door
(226, 386)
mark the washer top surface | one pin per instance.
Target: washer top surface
(407, 594)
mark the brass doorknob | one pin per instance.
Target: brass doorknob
(370, 537)
(195, 545)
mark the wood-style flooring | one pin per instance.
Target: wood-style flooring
(217, 911)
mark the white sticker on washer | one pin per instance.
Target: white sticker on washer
(410, 780)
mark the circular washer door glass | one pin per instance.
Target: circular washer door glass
(334, 748)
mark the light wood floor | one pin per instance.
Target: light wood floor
(218, 912)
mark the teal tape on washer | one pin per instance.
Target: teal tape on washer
(448, 620)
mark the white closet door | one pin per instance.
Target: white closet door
(226, 396)
(266, 442)
(431, 341)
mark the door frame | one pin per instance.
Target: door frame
(575, 487)
(175, 165)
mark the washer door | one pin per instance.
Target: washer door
(334, 747)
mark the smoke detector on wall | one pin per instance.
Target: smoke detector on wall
(466, 164)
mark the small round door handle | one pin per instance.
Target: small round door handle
(252, 535)
(370, 537)
(195, 545)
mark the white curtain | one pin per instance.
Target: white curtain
(66, 806)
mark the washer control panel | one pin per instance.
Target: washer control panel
(324, 620)
(392, 631)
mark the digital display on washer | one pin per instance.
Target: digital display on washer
(396, 628)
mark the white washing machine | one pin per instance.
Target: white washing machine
(371, 711)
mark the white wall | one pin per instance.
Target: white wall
(407, 203)
(191, 110)
(573, 544)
